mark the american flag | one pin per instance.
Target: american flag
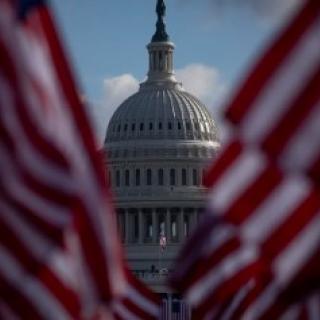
(60, 257)
(256, 254)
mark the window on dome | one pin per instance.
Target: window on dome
(127, 178)
(118, 178)
(133, 127)
(172, 177)
(150, 126)
(125, 127)
(184, 177)
(179, 126)
(119, 128)
(138, 178)
(141, 126)
(160, 177)
(149, 177)
(188, 126)
(169, 126)
(194, 177)
(160, 125)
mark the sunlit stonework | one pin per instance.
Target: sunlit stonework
(159, 142)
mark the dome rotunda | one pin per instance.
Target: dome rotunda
(158, 144)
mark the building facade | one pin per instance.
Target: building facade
(158, 144)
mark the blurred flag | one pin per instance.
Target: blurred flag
(258, 248)
(60, 257)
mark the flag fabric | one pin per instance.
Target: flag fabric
(60, 257)
(258, 247)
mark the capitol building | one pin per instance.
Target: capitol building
(158, 144)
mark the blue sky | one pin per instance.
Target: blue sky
(215, 40)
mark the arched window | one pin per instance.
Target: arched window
(133, 127)
(194, 177)
(126, 127)
(160, 126)
(172, 177)
(127, 178)
(160, 177)
(179, 125)
(184, 177)
(150, 126)
(138, 178)
(118, 178)
(169, 125)
(119, 128)
(141, 126)
(149, 177)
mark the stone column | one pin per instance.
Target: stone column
(168, 226)
(140, 240)
(126, 226)
(154, 227)
(180, 226)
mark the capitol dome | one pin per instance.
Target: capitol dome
(158, 145)
(164, 111)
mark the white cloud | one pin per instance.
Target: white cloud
(206, 83)
(115, 91)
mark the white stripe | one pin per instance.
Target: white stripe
(313, 306)
(304, 147)
(275, 209)
(122, 311)
(283, 87)
(238, 177)
(237, 300)
(226, 269)
(27, 155)
(46, 304)
(296, 255)
(49, 211)
(292, 314)
(147, 305)
(39, 246)
(262, 303)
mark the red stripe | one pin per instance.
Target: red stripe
(300, 218)
(299, 110)
(254, 195)
(44, 146)
(38, 269)
(203, 266)
(18, 302)
(92, 251)
(224, 161)
(231, 286)
(272, 60)
(44, 227)
(71, 94)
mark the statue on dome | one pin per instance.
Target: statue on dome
(161, 9)
(161, 34)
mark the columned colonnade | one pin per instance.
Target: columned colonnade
(144, 225)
